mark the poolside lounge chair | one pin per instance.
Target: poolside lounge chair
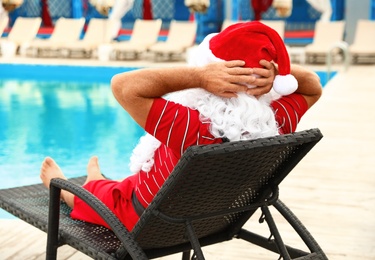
(277, 25)
(295, 53)
(209, 196)
(363, 47)
(66, 30)
(99, 31)
(3, 24)
(23, 31)
(181, 36)
(228, 22)
(145, 33)
(327, 36)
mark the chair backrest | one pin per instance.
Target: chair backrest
(365, 33)
(228, 22)
(328, 33)
(99, 31)
(210, 180)
(24, 29)
(67, 30)
(145, 32)
(3, 24)
(182, 33)
(277, 25)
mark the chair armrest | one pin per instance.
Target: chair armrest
(98, 206)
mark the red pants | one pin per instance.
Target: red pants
(117, 196)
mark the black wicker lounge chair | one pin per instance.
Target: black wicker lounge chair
(211, 194)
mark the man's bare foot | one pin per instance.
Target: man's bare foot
(50, 170)
(93, 170)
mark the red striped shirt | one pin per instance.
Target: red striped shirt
(289, 111)
(178, 127)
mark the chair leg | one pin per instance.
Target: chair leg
(300, 229)
(275, 232)
(186, 255)
(198, 253)
(53, 223)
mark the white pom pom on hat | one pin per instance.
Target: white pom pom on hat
(250, 42)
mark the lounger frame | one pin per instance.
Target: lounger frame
(212, 192)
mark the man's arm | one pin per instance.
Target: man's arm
(136, 90)
(308, 84)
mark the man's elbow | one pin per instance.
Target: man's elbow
(116, 85)
(316, 88)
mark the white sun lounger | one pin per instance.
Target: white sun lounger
(66, 30)
(145, 33)
(227, 23)
(23, 31)
(277, 25)
(363, 47)
(3, 24)
(99, 31)
(326, 36)
(181, 36)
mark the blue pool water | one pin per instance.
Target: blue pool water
(70, 118)
(67, 121)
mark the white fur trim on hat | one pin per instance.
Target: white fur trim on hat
(202, 55)
(285, 85)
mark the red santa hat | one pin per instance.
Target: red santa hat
(250, 42)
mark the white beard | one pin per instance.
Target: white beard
(241, 118)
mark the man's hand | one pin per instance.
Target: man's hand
(265, 81)
(136, 90)
(226, 79)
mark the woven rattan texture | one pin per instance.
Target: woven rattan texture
(207, 180)
(214, 178)
(30, 203)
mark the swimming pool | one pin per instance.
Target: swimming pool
(45, 112)
(69, 120)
